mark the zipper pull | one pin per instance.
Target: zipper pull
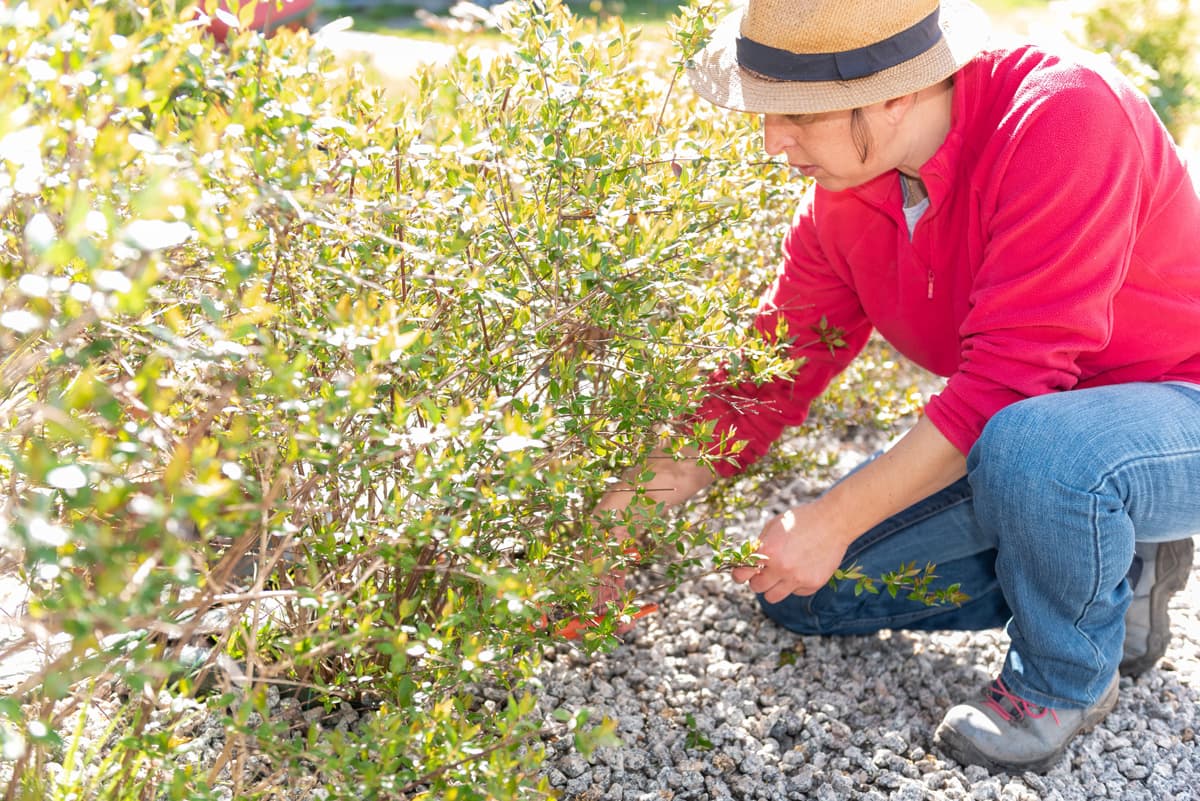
(929, 295)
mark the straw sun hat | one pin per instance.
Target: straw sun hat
(811, 56)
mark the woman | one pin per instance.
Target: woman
(1022, 224)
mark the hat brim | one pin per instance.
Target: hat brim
(715, 75)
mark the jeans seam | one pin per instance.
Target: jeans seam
(1094, 494)
(1093, 514)
(1094, 591)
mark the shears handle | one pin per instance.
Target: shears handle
(573, 628)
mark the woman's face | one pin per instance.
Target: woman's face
(829, 147)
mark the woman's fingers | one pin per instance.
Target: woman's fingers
(764, 580)
(743, 573)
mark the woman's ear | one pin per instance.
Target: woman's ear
(898, 108)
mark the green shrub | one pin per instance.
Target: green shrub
(1154, 43)
(254, 314)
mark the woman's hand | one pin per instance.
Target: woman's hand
(800, 551)
(804, 546)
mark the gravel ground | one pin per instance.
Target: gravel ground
(713, 701)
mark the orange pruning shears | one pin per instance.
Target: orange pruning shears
(572, 628)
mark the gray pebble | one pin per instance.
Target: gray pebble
(636, 760)
(573, 766)
(986, 790)
(910, 791)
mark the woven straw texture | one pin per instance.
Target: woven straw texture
(827, 26)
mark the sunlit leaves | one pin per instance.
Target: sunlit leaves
(348, 373)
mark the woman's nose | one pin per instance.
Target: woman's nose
(775, 135)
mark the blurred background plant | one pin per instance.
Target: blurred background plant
(1154, 42)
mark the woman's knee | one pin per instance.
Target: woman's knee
(1030, 443)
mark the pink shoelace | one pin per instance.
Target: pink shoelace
(1018, 707)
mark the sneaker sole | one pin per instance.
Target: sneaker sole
(1173, 565)
(965, 752)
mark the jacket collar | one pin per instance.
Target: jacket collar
(937, 173)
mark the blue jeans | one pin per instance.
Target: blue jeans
(1040, 535)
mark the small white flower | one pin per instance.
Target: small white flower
(47, 533)
(40, 232)
(232, 348)
(28, 180)
(328, 123)
(21, 321)
(112, 281)
(96, 223)
(22, 146)
(14, 744)
(22, 16)
(40, 70)
(421, 436)
(143, 143)
(33, 286)
(143, 505)
(157, 234)
(518, 442)
(67, 477)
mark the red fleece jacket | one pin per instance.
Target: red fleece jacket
(1060, 250)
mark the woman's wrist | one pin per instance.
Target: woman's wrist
(843, 512)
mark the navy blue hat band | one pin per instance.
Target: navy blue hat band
(783, 65)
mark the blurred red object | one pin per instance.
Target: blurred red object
(269, 16)
(573, 628)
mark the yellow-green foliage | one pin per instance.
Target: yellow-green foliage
(246, 305)
(1154, 42)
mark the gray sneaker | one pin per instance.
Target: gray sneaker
(1165, 567)
(1003, 732)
